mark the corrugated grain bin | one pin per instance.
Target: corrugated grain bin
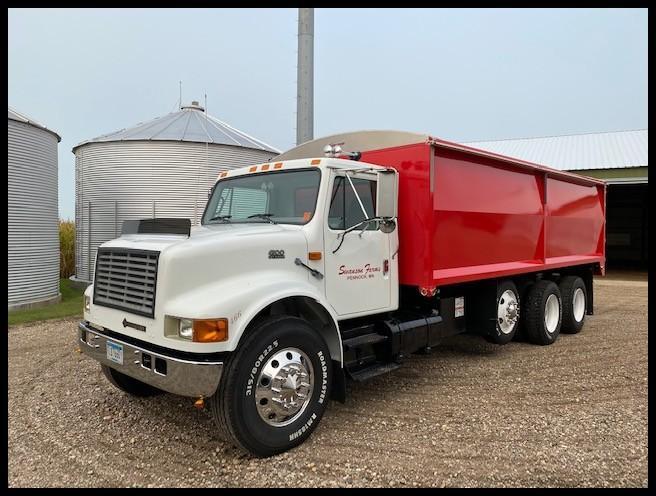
(32, 213)
(160, 168)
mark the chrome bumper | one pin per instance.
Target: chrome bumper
(174, 375)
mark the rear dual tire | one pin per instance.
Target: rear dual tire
(550, 309)
(508, 313)
(542, 313)
(575, 297)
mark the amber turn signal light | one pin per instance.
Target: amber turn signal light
(210, 331)
(314, 255)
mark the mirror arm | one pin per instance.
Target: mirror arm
(357, 196)
(340, 242)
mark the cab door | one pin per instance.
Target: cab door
(357, 273)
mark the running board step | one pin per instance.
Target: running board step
(351, 332)
(373, 371)
(371, 338)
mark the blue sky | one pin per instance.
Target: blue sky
(460, 74)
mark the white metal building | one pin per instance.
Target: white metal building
(621, 159)
(32, 213)
(160, 168)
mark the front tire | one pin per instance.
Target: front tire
(275, 387)
(128, 384)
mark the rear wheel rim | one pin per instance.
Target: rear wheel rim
(578, 304)
(507, 311)
(551, 313)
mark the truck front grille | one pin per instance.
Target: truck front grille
(125, 279)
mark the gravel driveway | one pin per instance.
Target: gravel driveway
(469, 414)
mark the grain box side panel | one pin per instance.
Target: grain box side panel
(575, 220)
(488, 217)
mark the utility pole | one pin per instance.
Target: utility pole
(305, 77)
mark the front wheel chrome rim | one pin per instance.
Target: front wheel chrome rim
(551, 313)
(507, 311)
(578, 304)
(284, 387)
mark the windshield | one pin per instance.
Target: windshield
(285, 197)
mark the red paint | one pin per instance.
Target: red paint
(487, 215)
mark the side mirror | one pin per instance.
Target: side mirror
(387, 226)
(210, 191)
(386, 204)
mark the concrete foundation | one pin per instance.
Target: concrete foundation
(34, 304)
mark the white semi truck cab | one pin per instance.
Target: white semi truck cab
(307, 271)
(245, 308)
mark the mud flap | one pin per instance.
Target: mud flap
(338, 392)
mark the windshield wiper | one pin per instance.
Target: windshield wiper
(266, 217)
(224, 218)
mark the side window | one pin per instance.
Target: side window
(336, 212)
(345, 210)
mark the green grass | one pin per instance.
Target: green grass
(69, 306)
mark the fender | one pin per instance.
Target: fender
(239, 299)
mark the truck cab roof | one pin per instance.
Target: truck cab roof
(321, 162)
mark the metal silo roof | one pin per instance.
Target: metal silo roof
(190, 123)
(16, 116)
(613, 150)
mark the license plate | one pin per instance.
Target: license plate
(115, 352)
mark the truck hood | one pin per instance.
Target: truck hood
(217, 253)
(215, 233)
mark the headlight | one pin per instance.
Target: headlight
(87, 303)
(186, 328)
